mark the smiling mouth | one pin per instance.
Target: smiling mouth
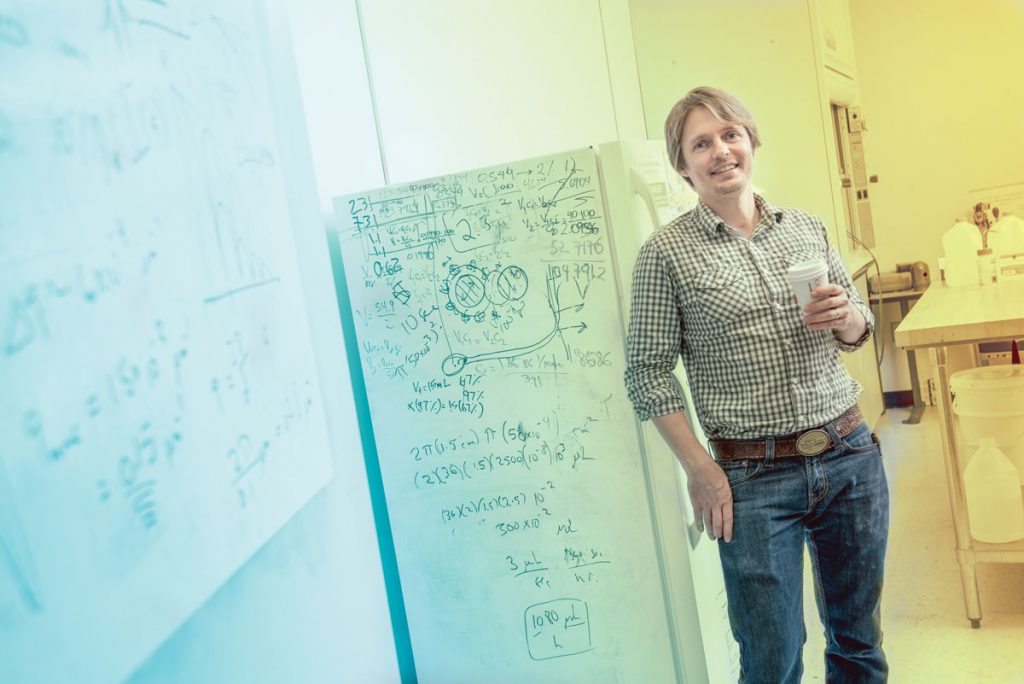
(725, 169)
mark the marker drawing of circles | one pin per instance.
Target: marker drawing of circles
(511, 283)
(466, 290)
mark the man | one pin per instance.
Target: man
(794, 461)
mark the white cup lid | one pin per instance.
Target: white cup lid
(806, 269)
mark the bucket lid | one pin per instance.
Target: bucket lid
(988, 378)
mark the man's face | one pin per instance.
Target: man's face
(717, 155)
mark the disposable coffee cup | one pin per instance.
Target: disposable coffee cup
(804, 277)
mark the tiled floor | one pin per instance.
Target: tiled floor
(927, 636)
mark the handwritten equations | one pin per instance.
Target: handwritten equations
(160, 412)
(486, 309)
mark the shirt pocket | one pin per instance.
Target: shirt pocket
(719, 295)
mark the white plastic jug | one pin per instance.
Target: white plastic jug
(995, 507)
(961, 244)
(1007, 236)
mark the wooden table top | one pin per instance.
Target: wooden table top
(960, 315)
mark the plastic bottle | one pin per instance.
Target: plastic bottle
(986, 267)
(961, 244)
(995, 507)
(1007, 236)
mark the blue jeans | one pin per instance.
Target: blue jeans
(838, 501)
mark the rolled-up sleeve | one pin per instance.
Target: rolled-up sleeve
(655, 338)
(839, 275)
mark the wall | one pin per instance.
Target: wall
(940, 91)
(762, 53)
(336, 97)
(462, 84)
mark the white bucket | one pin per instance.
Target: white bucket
(990, 403)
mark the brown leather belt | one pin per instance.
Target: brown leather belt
(806, 443)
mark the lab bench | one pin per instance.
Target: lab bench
(943, 317)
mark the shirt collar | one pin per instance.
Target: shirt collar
(712, 223)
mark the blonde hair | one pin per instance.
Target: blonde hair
(721, 104)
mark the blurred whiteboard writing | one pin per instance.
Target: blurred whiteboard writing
(160, 413)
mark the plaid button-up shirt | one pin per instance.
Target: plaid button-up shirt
(721, 301)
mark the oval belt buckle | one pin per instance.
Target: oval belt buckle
(812, 442)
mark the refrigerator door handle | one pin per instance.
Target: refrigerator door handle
(641, 188)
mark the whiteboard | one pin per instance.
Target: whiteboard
(161, 416)
(491, 343)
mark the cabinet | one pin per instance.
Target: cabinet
(832, 36)
(833, 26)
